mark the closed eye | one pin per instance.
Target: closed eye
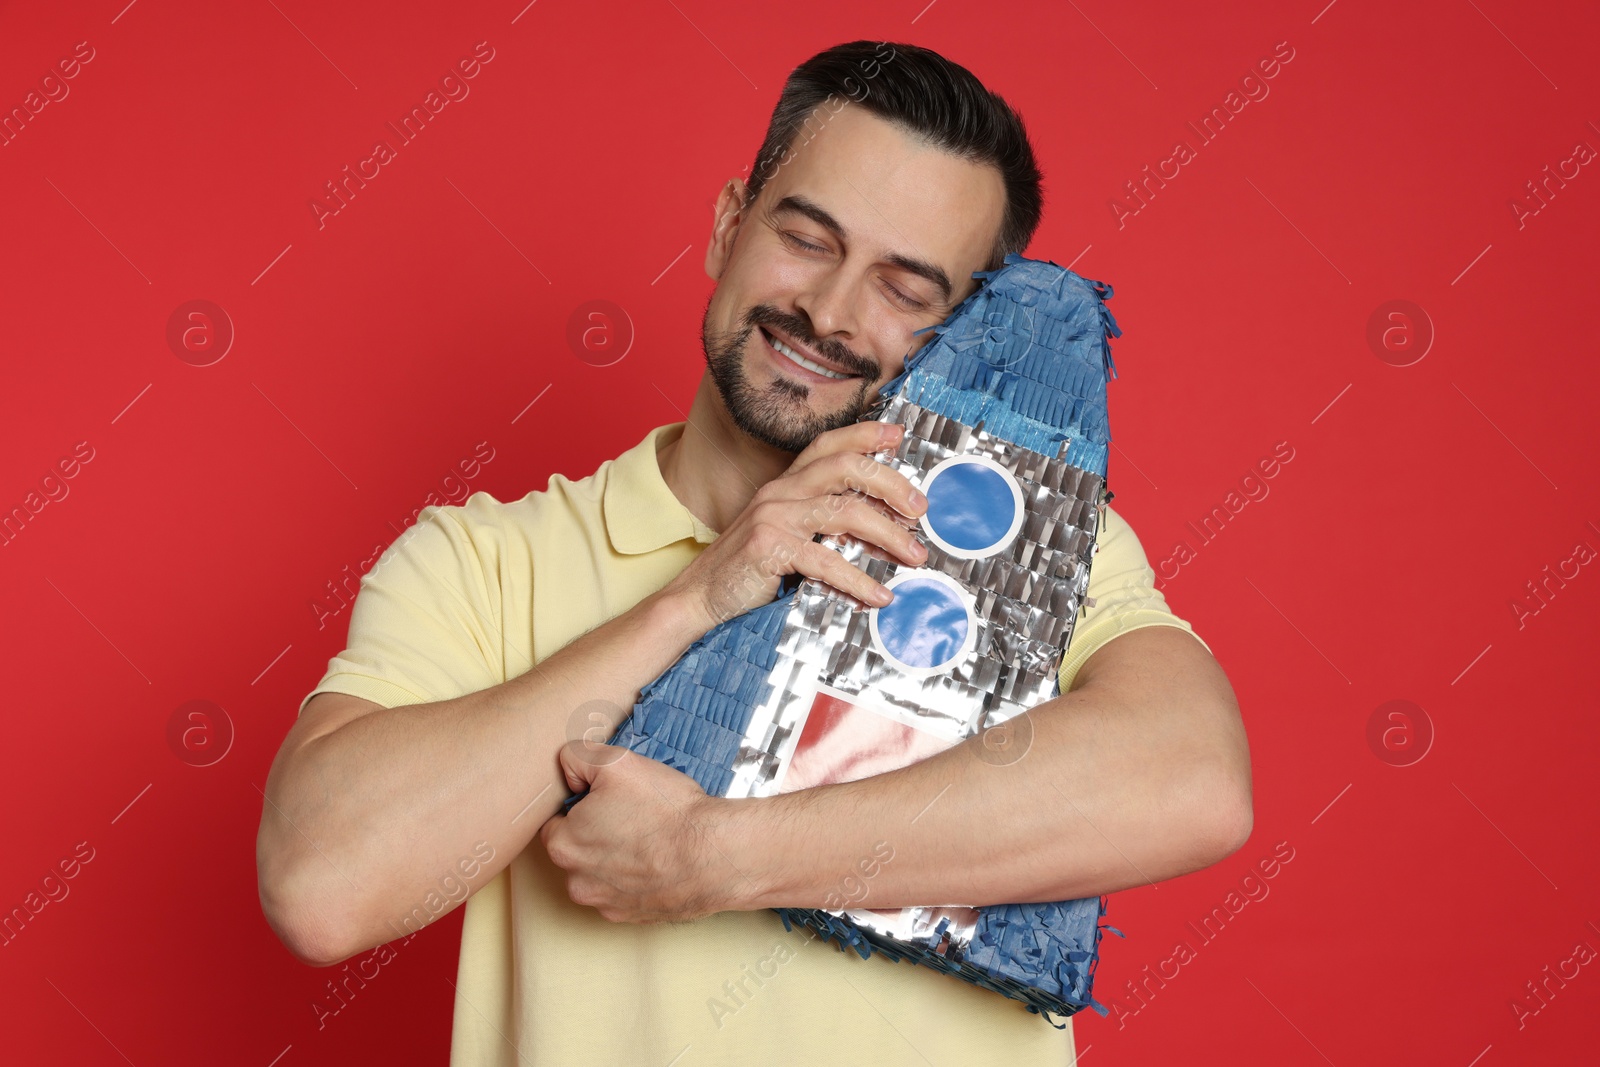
(807, 245)
(910, 302)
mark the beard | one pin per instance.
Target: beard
(778, 414)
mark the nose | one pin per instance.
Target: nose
(829, 301)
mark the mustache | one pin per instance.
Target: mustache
(800, 330)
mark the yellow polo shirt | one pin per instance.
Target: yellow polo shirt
(472, 595)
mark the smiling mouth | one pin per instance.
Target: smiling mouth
(801, 361)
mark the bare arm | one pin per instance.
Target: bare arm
(1139, 774)
(371, 809)
(374, 814)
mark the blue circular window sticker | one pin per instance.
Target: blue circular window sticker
(929, 626)
(974, 506)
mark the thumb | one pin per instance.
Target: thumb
(579, 765)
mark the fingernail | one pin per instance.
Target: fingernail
(918, 500)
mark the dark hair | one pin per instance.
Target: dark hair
(926, 95)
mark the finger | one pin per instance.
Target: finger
(576, 765)
(855, 515)
(869, 435)
(827, 566)
(844, 472)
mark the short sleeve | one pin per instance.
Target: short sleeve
(1123, 588)
(425, 625)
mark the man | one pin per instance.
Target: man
(494, 643)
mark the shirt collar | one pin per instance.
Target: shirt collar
(641, 512)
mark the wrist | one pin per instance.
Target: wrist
(680, 614)
(739, 869)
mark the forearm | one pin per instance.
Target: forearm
(379, 813)
(1112, 792)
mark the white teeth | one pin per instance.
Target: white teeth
(801, 360)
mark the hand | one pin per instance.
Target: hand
(636, 848)
(833, 487)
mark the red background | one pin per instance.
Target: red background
(374, 353)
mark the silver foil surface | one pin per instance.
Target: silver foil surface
(1025, 597)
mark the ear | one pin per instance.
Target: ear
(728, 214)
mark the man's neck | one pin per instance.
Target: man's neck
(713, 467)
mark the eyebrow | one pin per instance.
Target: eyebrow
(921, 267)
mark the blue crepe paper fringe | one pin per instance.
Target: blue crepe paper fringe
(1028, 355)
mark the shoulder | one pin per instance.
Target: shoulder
(1116, 534)
(1119, 560)
(1120, 577)
(1122, 596)
(569, 512)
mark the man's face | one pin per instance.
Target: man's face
(846, 253)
